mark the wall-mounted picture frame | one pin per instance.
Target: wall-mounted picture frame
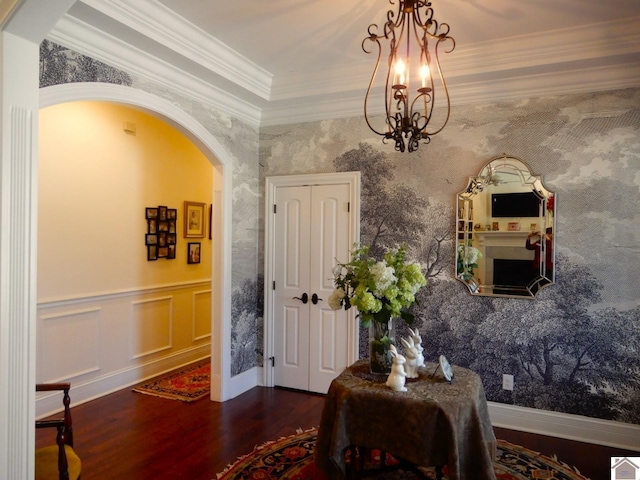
(162, 213)
(193, 252)
(161, 238)
(210, 222)
(151, 239)
(194, 219)
(151, 212)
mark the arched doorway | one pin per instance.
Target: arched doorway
(217, 155)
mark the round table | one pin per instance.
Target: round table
(434, 423)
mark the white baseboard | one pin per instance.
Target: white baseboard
(47, 404)
(245, 381)
(571, 427)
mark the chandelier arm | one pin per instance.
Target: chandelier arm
(375, 39)
(444, 86)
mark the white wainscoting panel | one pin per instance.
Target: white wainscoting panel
(202, 314)
(112, 340)
(151, 326)
(68, 344)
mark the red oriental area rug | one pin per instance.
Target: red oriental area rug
(188, 384)
(292, 458)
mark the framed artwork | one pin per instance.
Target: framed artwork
(513, 226)
(162, 213)
(210, 217)
(161, 238)
(151, 239)
(151, 212)
(193, 252)
(194, 219)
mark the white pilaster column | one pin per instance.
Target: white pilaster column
(18, 239)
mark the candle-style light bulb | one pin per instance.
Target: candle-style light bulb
(400, 72)
(424, 74)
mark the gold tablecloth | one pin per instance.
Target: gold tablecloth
(433, 423)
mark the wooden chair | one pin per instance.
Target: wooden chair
(59, 461)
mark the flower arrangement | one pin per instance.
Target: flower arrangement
(380, 290)
(468, 257)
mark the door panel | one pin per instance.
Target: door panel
(291, 322)
(312, 230)
(329, 243)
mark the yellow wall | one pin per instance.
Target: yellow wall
(108, 318)
(95, 181)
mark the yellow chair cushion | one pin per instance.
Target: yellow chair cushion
(47, 463)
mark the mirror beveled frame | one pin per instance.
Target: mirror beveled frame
(498, 238)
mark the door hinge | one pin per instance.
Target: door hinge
(274, 208)
(274, 285)
(273, 361)
(348, 207)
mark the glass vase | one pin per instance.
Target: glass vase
(381, 336)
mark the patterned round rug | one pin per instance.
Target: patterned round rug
(292, 458)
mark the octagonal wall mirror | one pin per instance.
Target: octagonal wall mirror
(505, 231)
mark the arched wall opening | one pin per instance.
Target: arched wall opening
(221, 195)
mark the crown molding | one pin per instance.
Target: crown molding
(154, 20)
(501, 88)
(99, 45)
(562, 62)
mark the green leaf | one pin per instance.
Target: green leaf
(408, 317)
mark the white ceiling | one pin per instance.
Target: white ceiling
(296, 60)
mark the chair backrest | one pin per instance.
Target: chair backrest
(63, 425)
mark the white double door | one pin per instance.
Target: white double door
(313, 228)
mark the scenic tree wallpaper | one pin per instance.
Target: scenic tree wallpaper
(575, 347)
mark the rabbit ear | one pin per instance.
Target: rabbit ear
(392, 349)
(413, 333)
(405, 343)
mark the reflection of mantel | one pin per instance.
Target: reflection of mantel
(500, 239)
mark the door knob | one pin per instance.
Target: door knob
(315, 299)
(304, 299)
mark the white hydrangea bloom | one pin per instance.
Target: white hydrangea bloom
(383, 277)
(335, 299)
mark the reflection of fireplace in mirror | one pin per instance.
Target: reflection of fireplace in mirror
(515, 273)
(511, 267)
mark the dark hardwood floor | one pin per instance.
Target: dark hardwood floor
(129, 435)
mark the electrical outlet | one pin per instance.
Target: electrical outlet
(507, 381)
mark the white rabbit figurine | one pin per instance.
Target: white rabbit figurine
(396, 378)
(417, 341)
(411, 352)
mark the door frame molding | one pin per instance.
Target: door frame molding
(271, 186)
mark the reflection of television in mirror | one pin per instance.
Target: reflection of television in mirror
(520, 204)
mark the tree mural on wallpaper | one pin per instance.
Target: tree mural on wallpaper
(60, 65)
(247, 312)
(394, 214)
(564, 357)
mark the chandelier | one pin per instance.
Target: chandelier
(410, 93)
